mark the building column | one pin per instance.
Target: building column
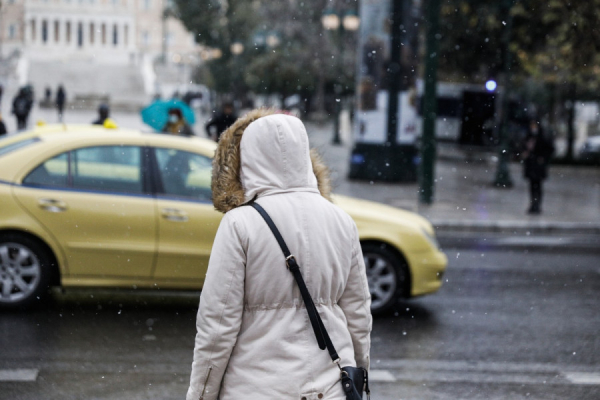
(40, 31)
(37, 31)
(72, 34)
(27, 30)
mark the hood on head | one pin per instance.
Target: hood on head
(273, 157)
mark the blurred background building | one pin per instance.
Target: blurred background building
(99, 50)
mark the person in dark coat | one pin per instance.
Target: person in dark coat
(61, 98)
(21, 107)
(176, 124)
(220, 122)
(103, 114)
(537, 151)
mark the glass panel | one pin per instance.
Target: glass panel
(108, 168)
(53, 172)
(185, 174)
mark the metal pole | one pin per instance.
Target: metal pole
(503, 179)
(164, 36)
(394, 73)
(428, 144)
(338, 89)
(2, 27)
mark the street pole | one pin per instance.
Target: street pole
(338, 90)
(394, 72)
(164, 36)
(1, 27)
(428, 143)
(503, 179)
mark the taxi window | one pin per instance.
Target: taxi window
(184, 174)
(107, 169)
(53, 172)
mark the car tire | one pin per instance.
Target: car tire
(388, 276)
(26, 272)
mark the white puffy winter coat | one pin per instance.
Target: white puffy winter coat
(254, 337)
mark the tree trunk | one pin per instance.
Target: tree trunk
(320, 94)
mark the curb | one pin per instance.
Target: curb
(517, 227)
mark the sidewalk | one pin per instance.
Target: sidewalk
(465, 199)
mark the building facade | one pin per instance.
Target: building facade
(104, 31)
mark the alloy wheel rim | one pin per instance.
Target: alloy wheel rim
(19, 272)
(382, 279)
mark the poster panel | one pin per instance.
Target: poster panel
(370, 123)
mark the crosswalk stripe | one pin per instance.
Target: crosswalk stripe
(18, 375)
(583, 378)
(380, 375)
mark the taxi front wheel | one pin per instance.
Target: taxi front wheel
(387, 274)
(26, 271)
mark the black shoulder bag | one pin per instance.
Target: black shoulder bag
(355, 380)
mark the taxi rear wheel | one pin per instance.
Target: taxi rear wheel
(26, 271)
(387, 274)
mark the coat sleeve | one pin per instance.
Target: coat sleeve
(220, 312)
(356, 304)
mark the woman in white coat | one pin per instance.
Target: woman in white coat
(254, 337)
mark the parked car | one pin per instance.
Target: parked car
(85, 206)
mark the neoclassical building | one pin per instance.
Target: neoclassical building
(59, 40)
(112, 31)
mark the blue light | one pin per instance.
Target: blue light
(491, 85)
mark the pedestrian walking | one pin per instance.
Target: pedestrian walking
(21, 107)
(48, 97)
(61, 98)
(254, 338)
(220, 122)
(537, 151)
(176, 124)
(103, 114)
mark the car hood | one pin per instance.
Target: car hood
(361, 210)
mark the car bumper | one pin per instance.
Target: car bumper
(427, 271)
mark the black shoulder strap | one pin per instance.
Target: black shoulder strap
(315, 319)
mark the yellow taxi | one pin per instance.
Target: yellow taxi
(85, 206)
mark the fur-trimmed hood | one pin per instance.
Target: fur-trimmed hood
(265, 152)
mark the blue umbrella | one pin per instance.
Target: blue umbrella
(157, 114)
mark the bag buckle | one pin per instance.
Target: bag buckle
(342, 372)
(287, 260)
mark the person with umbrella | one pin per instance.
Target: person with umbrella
(176, 124)
(170, 116)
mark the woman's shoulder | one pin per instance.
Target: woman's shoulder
(237, 214)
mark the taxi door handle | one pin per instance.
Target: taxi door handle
(173, 214)
(52, 205)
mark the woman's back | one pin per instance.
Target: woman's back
(254, 336)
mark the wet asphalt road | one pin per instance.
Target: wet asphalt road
(507, 324)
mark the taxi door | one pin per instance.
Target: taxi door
(187, 220)
(93, 201)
